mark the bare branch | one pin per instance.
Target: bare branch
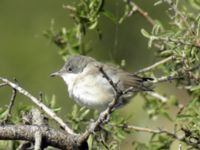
(10, 106)
(3, 84)
(47, 110)
(158, 96)
(51, 137)
(163, 61)
(136, 8)
(173, 135)
(171, 77)
(143, 13)
(174, 75)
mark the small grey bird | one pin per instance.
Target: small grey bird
(88, 87)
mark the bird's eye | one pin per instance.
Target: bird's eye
(70, 69)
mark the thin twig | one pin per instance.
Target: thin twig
(160, 131)
(158, 96)
(3, 84)
(142, 13)
(171, 77)
(163, 61)
(47, 110)
(11, 104)
(174, 75)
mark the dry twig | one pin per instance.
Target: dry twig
(11, 104)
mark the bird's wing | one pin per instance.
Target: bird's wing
(126, 80)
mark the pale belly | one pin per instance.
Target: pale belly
(92, 92)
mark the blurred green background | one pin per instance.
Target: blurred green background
(25, 54)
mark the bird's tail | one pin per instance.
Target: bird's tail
(144, 83)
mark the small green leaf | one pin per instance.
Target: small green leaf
(195, 88)
(90, 142)
(145, 33)
(74, 111)
(93, 25)
(166, 53)
(84, 114)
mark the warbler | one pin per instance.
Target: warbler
(89, 87)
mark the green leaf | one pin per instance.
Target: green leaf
(74, 111)
(145, 33)
(90, 142)
(195, 88)
(93, 25)
(85, 113)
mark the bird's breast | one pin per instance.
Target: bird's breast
(92, 91)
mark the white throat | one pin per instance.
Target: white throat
(70, 79)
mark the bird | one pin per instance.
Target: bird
(89, 87)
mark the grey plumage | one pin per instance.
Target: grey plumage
(88, 87)
(124, 78)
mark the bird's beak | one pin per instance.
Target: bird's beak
(55, 74)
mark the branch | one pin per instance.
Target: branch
(173, 135)
(10, 106)
(104, 116)
(163, 61)
(51, 137)
(3, 84)
(174, 75)
(142, 12)
(37, 119)
(171, 77)
(136, 8)
(158, 96)
(47, 110)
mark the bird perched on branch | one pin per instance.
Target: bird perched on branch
(88, 86)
